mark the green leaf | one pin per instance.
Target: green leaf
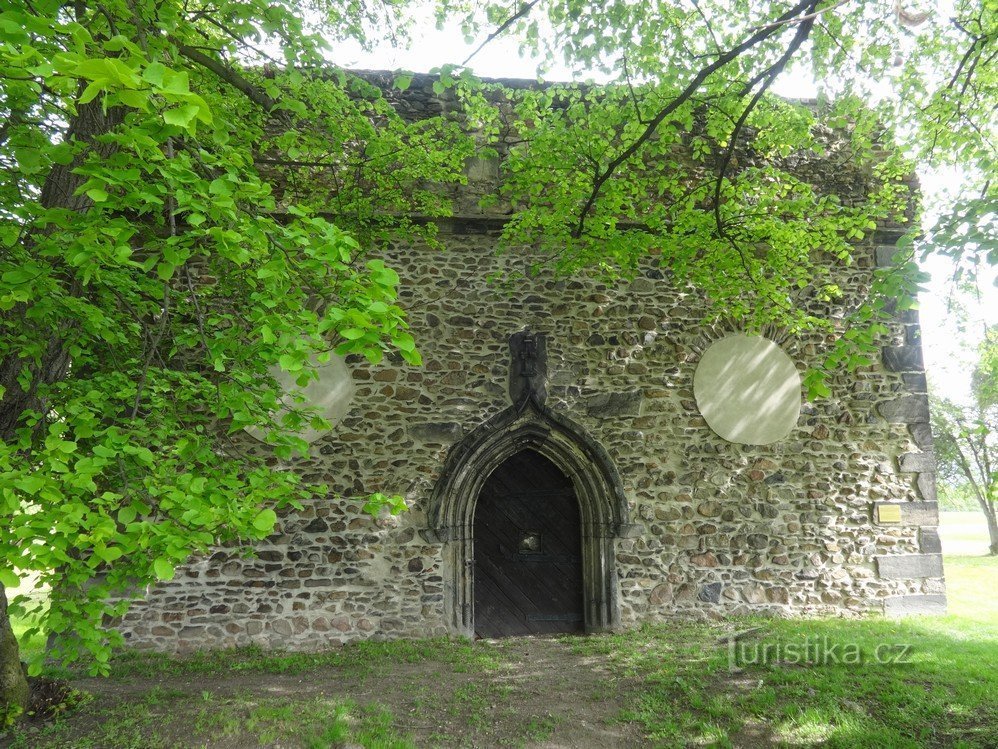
(181, 116)
(154, 73)
(265, 520)
(163, 568)
(8, 579)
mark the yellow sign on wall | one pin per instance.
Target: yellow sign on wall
(889, 513)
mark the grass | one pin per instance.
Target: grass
(876, 683)
(242, 720)
(358, 659)
(920, 682)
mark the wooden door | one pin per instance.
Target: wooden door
(528, 551)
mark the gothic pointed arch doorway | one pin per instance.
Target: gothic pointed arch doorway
(528, 550)
(529, 426)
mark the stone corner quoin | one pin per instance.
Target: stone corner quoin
(837, 517)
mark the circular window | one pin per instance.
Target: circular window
(330, 394)
(748, 390)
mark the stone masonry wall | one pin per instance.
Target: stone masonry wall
(838, 518)
(790, 528)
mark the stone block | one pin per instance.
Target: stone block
(917, 463)
(909, 409)
(914, 605)
(926, 484)
(909, 566)
(928, 541)
(912, 513)
(922, 435)
(661, 594)
(884, 255)
(608, 405)
(710, 593)
(915, 382)
(441, 431)
(903, 358)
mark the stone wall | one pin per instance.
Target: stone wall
(838, 518)
(789, 528)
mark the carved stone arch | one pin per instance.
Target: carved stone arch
(529, 425)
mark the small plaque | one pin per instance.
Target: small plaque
(889, 513)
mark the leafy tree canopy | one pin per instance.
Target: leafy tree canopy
(168, 169)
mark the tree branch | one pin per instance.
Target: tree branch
(230, 76)
(732, 54)
(524, 10)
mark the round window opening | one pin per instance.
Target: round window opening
(330, 394)
(748, 390)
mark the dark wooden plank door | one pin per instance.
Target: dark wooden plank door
(528, 551)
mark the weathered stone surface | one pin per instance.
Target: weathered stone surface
(922, 435)
(915, 382)
(912, 605)
(910, 409)
(903, 358)
(928, 541)
(909, 566)
(754, 593)
(926, 484)
(439, 431)
(912, 513)
(606, 405)
(917, 463)
(710, 593)
(714, 528)
(660, 594)
(884, 255)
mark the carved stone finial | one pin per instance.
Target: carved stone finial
(528, 366)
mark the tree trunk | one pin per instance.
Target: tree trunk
(989, 513)
(58, 191)
(13, 683)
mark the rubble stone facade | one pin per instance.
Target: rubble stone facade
(837, 518)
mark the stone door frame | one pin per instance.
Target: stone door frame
(529, 425)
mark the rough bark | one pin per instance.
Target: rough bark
(57, 192)
(13, 684)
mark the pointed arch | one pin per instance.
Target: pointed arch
(529, 424)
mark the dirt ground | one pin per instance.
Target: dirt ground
(538, 693)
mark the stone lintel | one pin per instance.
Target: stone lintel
(912, 513)
(909, 566)
(914, 605)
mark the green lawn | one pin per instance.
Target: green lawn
(943, 693)
(877, 683)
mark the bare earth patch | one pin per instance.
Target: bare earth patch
(537, 693)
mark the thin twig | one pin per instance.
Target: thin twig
(524, 10)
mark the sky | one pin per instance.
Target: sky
(948, 350)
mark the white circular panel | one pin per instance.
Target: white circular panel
(330, 395)
(748, 390)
